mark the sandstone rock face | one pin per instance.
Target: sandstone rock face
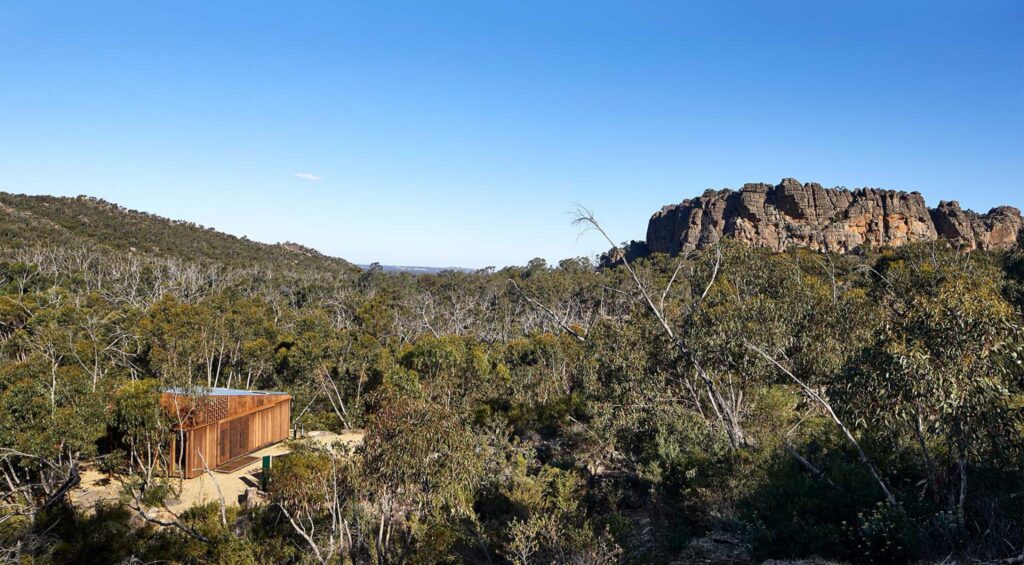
(825, 219)
(998, 229)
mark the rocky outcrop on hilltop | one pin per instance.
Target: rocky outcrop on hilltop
(300, 249)
(825, 219)
(999, 229)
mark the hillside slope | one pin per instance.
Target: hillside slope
(30, 220)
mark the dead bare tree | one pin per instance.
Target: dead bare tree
(139, 507)
(724, 412)
(560, 320)
(64, 470)
(330, 389)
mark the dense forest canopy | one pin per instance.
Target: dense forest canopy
(862, 408)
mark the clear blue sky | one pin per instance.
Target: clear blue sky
(437, 133)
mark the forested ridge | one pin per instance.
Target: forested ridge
(88, 222)
(732, 404)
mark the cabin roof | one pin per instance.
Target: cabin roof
(220, 391)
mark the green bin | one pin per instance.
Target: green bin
(265, 475)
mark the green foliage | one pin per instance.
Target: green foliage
(533, 414)
(88, 222)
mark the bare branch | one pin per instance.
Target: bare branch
(714, 272)
(548, 311)
(828, 408)
(586, 218)
(216, 484)
(668, 287)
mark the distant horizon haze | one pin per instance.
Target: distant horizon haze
(461, 134)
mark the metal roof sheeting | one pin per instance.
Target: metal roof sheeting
(219, 391)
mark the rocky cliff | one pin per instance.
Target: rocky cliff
(826, 219)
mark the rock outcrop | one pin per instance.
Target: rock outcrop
(300, 249)
(999, 229)
(825, 219)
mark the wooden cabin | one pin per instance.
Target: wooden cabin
(222, 425)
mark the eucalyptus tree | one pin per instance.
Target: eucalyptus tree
(944, 369)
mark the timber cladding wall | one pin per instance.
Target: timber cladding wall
(220, 425)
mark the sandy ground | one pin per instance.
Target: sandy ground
(95, 487)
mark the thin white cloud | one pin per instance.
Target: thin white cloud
(309, 176)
